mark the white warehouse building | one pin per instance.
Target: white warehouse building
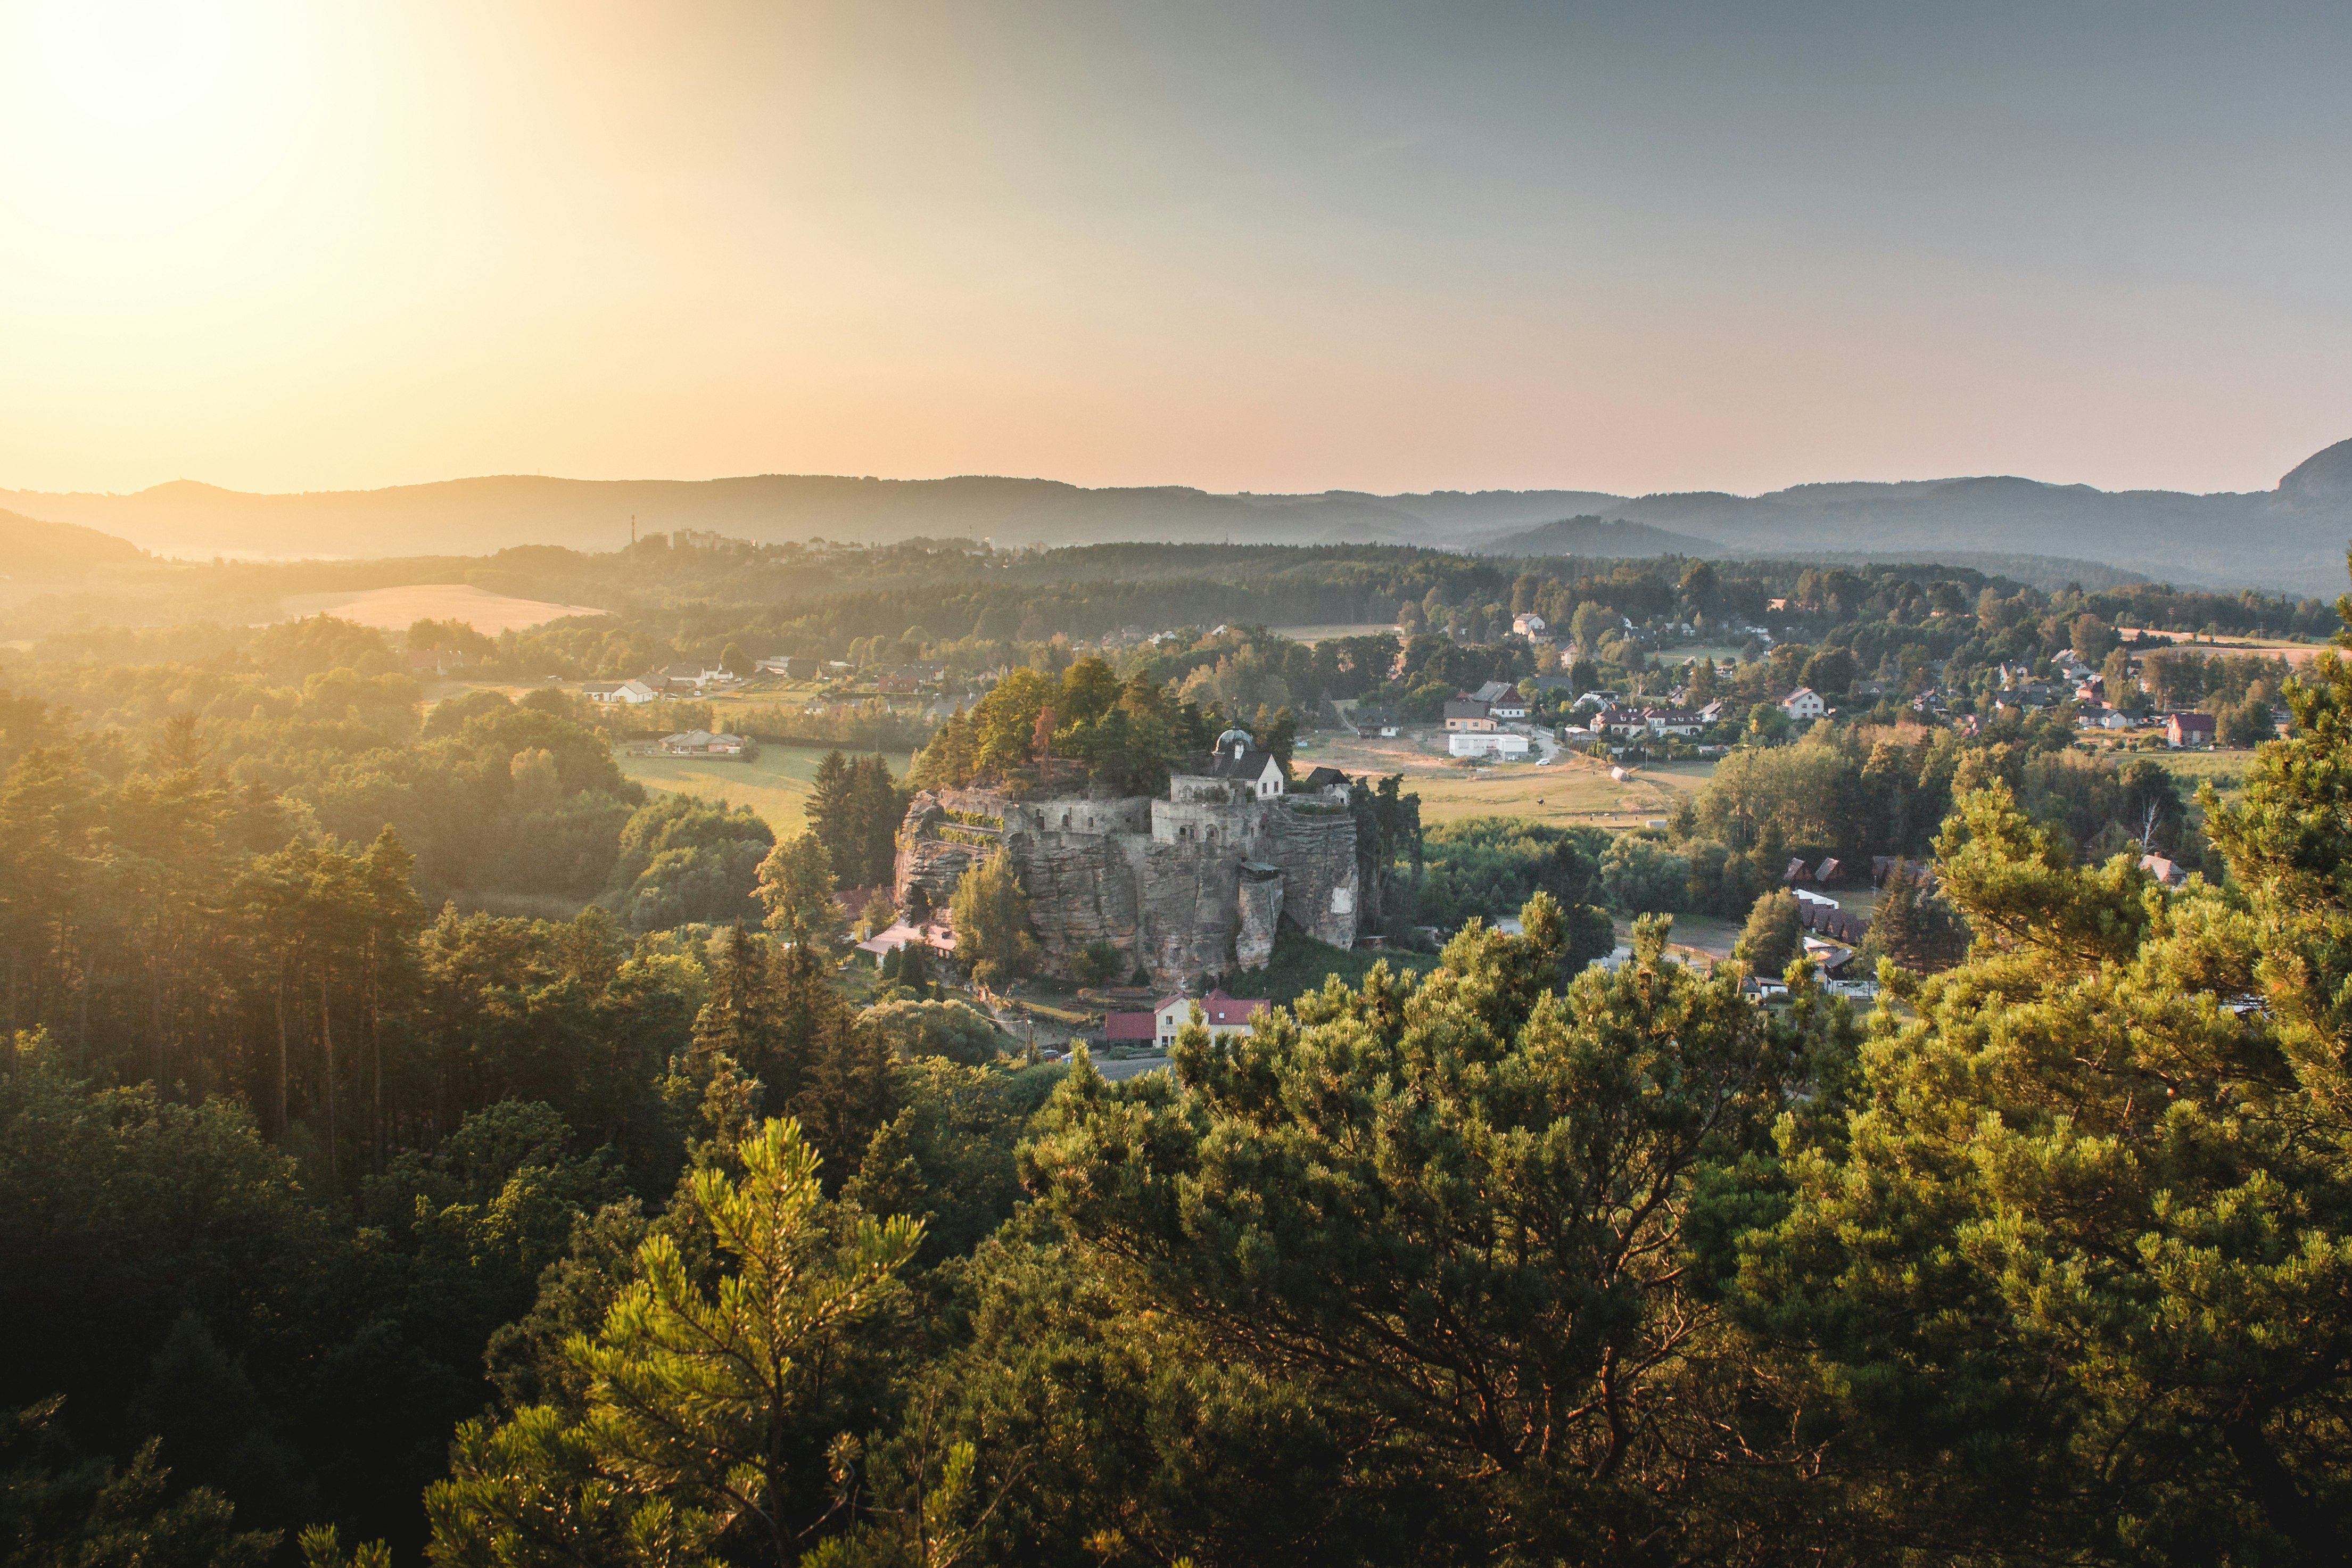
(1487, 743)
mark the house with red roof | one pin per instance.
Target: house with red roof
(1220, 1014)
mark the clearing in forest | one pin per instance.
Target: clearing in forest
(397, 609)
(775, 784)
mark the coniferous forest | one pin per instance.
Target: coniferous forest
(417, 1144)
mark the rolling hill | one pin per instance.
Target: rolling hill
(2292, 537)
(31, 550)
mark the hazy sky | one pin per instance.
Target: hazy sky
(1258, 247)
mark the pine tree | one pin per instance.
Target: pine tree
(829, 807)
(697, 1440)
(875, 808)
(847, 1088)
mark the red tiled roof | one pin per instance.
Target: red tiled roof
(1219, 1008)
(1128, 1026)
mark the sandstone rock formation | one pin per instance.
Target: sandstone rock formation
(1185, 888)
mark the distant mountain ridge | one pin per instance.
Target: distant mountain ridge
(2292, 538)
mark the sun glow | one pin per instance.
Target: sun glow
(139, 132)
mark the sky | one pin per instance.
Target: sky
(275, 245)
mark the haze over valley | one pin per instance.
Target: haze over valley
(2292, 538)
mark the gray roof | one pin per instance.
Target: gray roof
(1494, 690)
(1251, 764)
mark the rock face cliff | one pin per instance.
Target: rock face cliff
(1183, 890)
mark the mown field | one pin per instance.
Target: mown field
(1312, 634)
(775, 784)
(397, 609)
(1573, 791)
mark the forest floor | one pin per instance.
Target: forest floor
(1575, 791)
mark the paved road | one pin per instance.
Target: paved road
(1137, 1067)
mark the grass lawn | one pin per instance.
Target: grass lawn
(1574, 791)
(1695, 936)
(775, 784)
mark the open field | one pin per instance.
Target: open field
(1674, 656)
(2225, 767)
(2224, 770)
(1311, 634)
(2269, 648)
(1575, 791)
(775, 784)
(396, 609)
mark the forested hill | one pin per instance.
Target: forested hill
(30, 549)
(472, 515)
(2291, 537)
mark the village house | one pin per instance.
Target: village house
(2186, 730)
(1220, 1014)
(690, 677)
(703, 743)
(938, 934)
(1236, 762)
(1614, 720)
(630, 693)
(1672, 721)
(1509, 708)
(1466, 713)
(1803, 703)
(1532, 628)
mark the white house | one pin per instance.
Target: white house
(1509, 708)
(632, 693)
(1488, 743)
(1803, 703)
(1531, 626)
(1237, 761)
(1220, 1014)
(1672, 721)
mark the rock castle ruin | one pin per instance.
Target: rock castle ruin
(1186, 887)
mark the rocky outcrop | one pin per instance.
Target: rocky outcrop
(1183, 890)
(1318, 857)
(1260, 904)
